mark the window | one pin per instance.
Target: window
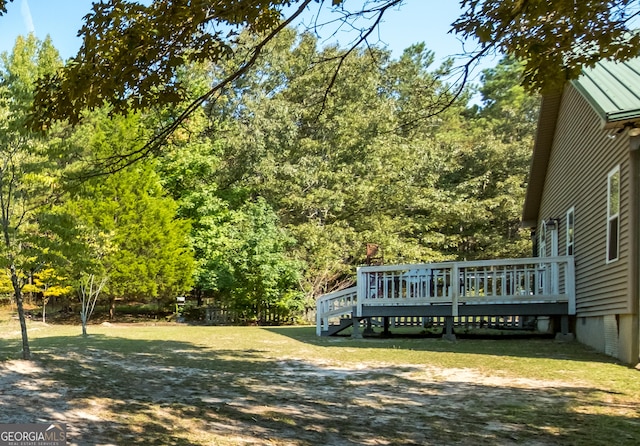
(542, 244)
(570, 231)
(613, 214)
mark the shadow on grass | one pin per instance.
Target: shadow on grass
(519, 346)
(10, 349)
(115, 390)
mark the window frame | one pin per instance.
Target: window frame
(613, 218)
(570, 231)
(542, 240)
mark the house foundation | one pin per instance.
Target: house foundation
(614, 335)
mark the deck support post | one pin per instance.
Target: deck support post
(368, 330)
(385, 324)
(356, 329)
(564, 334)
(448, 333)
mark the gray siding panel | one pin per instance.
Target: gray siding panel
(582, 156)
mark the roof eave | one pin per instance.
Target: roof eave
(545, 133)
(616, 120)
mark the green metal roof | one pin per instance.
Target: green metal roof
(613, 90)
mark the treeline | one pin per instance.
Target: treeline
(269, 194)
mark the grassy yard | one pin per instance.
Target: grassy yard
(188, 385)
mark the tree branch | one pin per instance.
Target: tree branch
(116, 163)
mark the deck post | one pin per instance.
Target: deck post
(385, 323)
(564, 324)
(448, 333)
(564, 334)
(356, 329)
(368, 330)
(455, 289)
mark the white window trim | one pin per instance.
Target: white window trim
(570, 243)
(610, 217)
(542, 240)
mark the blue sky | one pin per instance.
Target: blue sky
(426, 21)
(60, 19)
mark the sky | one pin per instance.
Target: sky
(416, 21)
(61, 19)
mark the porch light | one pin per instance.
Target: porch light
(551, 224)
(634, 131)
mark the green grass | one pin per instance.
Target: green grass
(181, 385)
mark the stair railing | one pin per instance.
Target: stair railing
(334, 306)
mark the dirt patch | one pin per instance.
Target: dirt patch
(111, 399)
(178, 385)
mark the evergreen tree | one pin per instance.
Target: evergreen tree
(144, 248)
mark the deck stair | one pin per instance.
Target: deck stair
(451, 292)
(334, 329)
(337, 310)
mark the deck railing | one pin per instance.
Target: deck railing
(529, 280)
(334, 306)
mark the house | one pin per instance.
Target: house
(583, 200)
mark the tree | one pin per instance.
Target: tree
(143, 247)
(240, 247)
(27, 180)
(48, 283)
(131, 51)
(342, 171)
(90, 289)
(158, 39)
(351, 169)
(355, 167)
(508, 108)
(554, 38)
(187, 173)
(487, 157)
(256, 275)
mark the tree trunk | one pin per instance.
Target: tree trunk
(112, 309)
(29, 297)
(26, 352)
(83, 318)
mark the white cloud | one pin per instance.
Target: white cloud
(26, 16)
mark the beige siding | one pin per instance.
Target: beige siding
(582, 156)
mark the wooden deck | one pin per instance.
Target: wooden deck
(453, 291)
